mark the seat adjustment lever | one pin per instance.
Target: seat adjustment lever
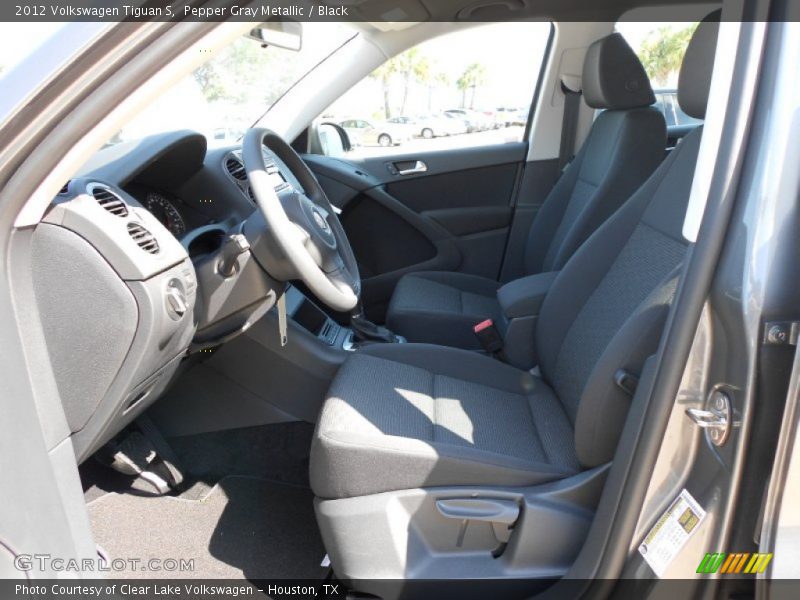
(502, 514)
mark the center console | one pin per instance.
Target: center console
(256, 378)
(313, 319)
(310, 317)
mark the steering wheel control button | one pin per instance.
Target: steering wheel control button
(175, 297)
(232, 249)
(320, 220)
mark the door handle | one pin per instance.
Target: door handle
(411, 167)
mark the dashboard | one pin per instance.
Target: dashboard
(165, 207)
(126, 274)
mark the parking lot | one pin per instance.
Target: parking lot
(503, 135)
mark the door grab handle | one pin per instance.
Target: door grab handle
(418, 167)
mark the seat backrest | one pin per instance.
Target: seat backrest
(607, 308)
(626, 143)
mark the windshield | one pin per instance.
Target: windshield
(229, 93)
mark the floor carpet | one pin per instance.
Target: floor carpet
(244, 527)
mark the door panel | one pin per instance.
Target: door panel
(465, 188)
(454, 215)
(480, 233)
(367, 222)
(467, 221)
(466, 192)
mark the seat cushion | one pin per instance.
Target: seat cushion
(442, 308)
(403, 416)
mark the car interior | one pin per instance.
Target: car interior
(286, 364)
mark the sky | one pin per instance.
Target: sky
(17, 40)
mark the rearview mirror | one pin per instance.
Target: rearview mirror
(280, 34)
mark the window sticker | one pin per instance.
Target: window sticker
(671, 532)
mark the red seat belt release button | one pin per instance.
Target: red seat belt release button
(489, 337)
(483, 325)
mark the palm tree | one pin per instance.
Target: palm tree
(413, 67)
(474, 75)
(384, 74)
(440, 79)
(662, 52)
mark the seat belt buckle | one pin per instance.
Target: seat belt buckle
(489, 337)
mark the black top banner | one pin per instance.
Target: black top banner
(349, 10)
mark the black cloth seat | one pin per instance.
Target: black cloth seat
(404, 416)
(626, 143)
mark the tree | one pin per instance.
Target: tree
(409, 65)
(662, 52)
(232, 76)
(384, 74)
(412, 67)
(473, 77)
(440, 79)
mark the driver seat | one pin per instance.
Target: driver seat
(431, 461)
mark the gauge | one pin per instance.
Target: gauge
(165, 211)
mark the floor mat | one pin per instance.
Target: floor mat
(245, 527)
(278, 452)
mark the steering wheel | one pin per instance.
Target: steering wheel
(296, 234)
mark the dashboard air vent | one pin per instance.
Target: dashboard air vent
(251, 195)
(143, 238)
(110, 201)
(236, 169)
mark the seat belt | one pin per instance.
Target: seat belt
(569, 126)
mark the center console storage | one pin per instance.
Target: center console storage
(313, 319)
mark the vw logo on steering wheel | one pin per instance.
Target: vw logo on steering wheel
(320, 220)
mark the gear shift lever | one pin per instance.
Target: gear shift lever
(365, 330)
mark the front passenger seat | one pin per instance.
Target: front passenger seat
(626, 143)
(435, 462)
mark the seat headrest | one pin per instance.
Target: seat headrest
(694, 80)
(613, 77)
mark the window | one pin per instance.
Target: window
(19, 40)
(469, 88)
(661, 46)
(227, 94)
(667, 103)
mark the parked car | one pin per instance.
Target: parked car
(470, 121)
(371, 133)
(430, 126)
(488, 118)
(477, 121)
(519, 117)
(503, 116)
(462, 124)
(667, 103)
